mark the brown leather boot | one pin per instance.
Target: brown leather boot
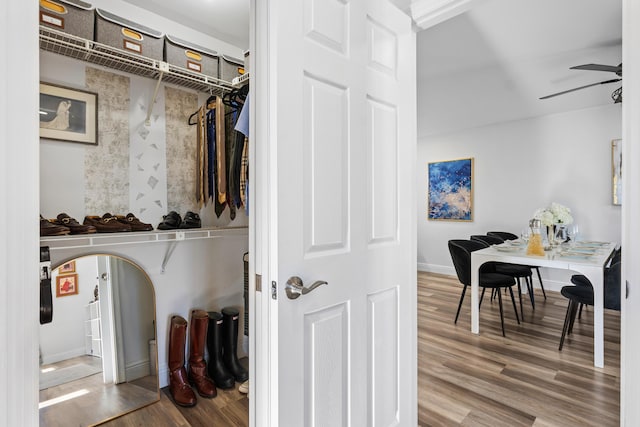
(197, 366)
(179, 387)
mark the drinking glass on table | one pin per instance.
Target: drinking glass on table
(525, 234)
(573, 231)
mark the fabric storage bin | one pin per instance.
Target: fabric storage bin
(230, 67)
(190, 56)
(74, 17)
(132, 37)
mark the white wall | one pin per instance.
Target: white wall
(521, 166)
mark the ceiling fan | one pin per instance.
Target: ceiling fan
(616, 95)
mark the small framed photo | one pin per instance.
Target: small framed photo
(67, 267)
(68, 114)
(66, 285)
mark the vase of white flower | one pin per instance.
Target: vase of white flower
(555, 217)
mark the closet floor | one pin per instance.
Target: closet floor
(229, 408)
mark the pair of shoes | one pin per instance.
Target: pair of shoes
(48, 228)
(172, 221)
(108, 223)
(134, 223)
(222, 343)
(179, 380)
(73, 225)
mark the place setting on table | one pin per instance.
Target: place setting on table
(552, 240)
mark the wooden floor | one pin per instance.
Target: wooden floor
(88, 400)
(474, 380)
(520, 380)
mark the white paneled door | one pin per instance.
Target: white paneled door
(336, 82)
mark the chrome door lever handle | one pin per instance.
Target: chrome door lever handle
(294, 287)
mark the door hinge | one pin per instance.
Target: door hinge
(274, 290)
(258, 283)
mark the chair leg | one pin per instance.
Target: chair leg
(501, 312)
(574, 311)
(520, 298)
(464, 290)
(580, 312)
(530, 290)
(481, 296)
(541, 285)
(567, 317)
(513, 300)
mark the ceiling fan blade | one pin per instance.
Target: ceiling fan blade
(598, 67)
(581, 87)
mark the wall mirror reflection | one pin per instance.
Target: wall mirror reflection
(98, 356)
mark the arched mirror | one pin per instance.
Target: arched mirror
(98, 356)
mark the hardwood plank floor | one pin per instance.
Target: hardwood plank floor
(518, 380)
(474, 380)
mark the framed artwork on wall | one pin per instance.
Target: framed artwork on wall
(450, 190)
(67, 267)
(68, 114)
(616, 171)
(66, 285)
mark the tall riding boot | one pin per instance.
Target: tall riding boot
(221, 376)
(179, 387)
(230, 342)
(197, 366)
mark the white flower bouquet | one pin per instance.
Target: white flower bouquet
(554, 214)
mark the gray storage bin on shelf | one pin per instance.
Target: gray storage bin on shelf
(230, 68)
(74, 17)
(130, 36)
(190, 56)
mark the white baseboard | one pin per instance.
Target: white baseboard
(57, 357)
(137, 370)
(163, 376)
(438, 269)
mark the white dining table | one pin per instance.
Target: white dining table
(591, 266)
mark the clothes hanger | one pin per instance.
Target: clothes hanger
(191, 117)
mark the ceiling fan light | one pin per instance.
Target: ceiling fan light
(617, 96)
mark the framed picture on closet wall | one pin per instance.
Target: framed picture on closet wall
(66, 285)
(68, 114)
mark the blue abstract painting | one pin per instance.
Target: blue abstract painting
(451, 190)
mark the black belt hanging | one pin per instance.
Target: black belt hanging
(46, 299)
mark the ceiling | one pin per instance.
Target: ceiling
(226, 20)
(487, 65)
(492, 63)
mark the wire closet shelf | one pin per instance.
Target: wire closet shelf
(100, 54)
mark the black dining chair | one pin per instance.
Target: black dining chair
(505, 235)
(582, 294)
(581, 279)
(516, 271)
(460, 251)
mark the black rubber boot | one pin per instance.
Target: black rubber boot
(217, 371)
(230, 344)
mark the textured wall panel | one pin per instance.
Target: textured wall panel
(181, 150)
(107, 164)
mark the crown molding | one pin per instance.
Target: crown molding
(427, 13)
